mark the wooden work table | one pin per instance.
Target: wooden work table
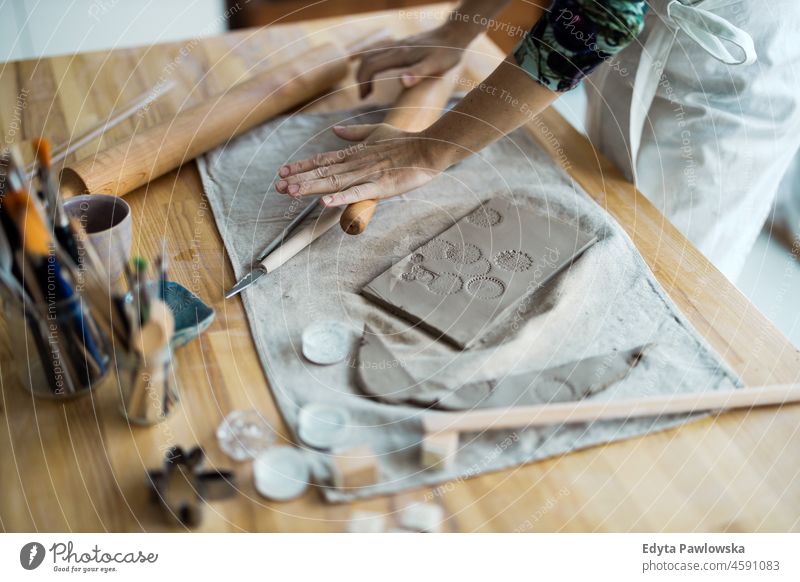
(78, 466)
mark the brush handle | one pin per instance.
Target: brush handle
(159, 149)
(590, 411)
(415, 109)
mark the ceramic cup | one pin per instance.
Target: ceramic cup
(107, 221)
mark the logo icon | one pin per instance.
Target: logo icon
(31, 555)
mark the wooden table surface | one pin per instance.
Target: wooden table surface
(79, 467)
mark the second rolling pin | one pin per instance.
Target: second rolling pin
(159, 149)
(415, 109)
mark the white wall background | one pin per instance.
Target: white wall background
(34, 28)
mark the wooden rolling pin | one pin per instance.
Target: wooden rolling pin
(589, 411)
(415, 109)
(165, 146)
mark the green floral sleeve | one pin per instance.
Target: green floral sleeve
(575, 36)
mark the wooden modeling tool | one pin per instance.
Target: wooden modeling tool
(149, 395)
(193, 131)
(436, 424)
(155, 333)
(415, 109)
(256, 273)
(304, 237)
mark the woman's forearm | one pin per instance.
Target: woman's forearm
(506, 100)
(530, 79)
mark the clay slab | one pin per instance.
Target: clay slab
(464, 282)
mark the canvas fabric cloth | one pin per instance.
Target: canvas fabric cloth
(608, 300)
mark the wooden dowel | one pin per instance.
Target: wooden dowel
(304, 236)
(589, 411)
(165, 146)
(415, 109)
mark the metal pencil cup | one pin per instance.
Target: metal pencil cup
(63, 352)
(147, 386)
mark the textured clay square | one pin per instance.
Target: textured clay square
(470, 278)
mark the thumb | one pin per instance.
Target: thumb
(419, 72)
(356, 132)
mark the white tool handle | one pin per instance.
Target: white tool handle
(303, 237)
(588, 411)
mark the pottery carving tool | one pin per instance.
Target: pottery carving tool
(290, 247)
(157, 150)
(256, 273)
(415, 109)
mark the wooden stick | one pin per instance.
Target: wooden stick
(589, 411)
(414, 110)
(302, 238)
(165, 146)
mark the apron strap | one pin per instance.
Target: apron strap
(711, 32)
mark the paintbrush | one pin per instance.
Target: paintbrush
(161, 267)
(140, 292)
(46, 260)
(17, 179)
(53, 203)
(5, 166)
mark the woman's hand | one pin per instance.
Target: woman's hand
(386, 163)
(429, 54)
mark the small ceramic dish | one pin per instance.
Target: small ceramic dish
(323, 426)
(281, 473)
(192, 316)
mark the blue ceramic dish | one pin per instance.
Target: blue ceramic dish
(192, 316)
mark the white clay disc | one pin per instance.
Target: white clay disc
(326, 342)
(323, 426)
(281, 473)
(422, 517)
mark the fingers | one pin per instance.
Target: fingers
(327, 179)
(427, 67)
(356, 193)
(389, 58)
(323, 159)
(329, 185)
(355, 132)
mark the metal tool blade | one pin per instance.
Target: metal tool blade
(245, 282)
(256, 273)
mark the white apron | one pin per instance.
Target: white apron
(704, 127)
